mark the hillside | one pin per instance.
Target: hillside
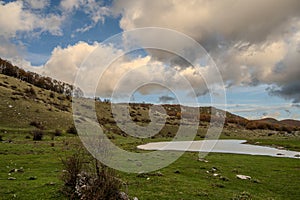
(28, 98)
(23, 104)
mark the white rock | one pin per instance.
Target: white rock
(243, 177)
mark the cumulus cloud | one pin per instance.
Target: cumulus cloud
(210, 20)
(16, 18)
(65, 62)
(123, 76)
(253, 42)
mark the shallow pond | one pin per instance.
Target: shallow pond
(220, 146)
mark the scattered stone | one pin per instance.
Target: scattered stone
(135, 198)
(255, 181)
(13, 170)
(31, 178)
(51, 184)
(123, 196)
(21, 170)
(142, 175)
(203, 160)
(11, 178)
(243, 177)
(158, 174)
(215, 175)
(148, 179)
(214, 169)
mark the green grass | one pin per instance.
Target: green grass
(278, 177)
(194, 182)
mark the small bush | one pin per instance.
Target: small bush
(30, 92)
(72, 130)
(1, 139)
(52, 95)
(38, 135)
(36, 124)
(57, 132)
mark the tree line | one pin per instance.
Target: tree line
(44, 82)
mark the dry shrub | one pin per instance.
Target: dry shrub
(89, 179)
(72, 130)
(37, 124)
(37, 135)
(57, 132)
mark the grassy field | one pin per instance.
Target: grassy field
(187, 178)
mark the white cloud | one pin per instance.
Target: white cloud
(206, 20)
(65, 62)
(253, 42)
(38, 4)
(91, 8)
(15, 18)
(69, 5)
(123, 74)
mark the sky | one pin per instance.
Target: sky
(254, 44)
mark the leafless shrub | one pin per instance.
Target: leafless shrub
(89, 179)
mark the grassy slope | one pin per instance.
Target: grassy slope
(17, 110)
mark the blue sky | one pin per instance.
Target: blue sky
(255, 44)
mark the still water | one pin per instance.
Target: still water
(220, 146)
